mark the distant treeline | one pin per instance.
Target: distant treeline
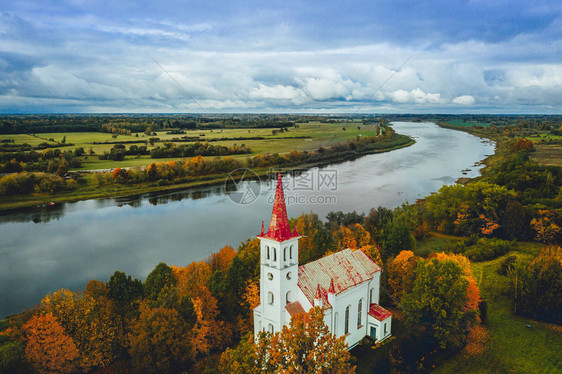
(127, 124)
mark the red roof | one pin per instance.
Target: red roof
(336, 273)
(378, 312)
(294, 308)
(279, 228)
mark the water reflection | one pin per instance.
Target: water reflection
(47, 248)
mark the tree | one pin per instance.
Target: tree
(437, 301)
(305, 346)
(125, 293)
(400, 273)
(90, 321)
(161, 276)
(377, 220)
(221, 260)
(48, 347)
(395, 238)
(353, 236)
(160, 341)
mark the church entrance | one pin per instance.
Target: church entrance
(373, 332)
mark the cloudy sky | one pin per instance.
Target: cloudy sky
(480, 56)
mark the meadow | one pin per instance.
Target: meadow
(302, 137)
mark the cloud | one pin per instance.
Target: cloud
(464, 100)
(416, 96)
(280, 56)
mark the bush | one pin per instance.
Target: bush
(507, 265)
(488, 249)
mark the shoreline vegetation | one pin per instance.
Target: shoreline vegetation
(175, 175)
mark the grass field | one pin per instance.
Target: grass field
(316, 134)
(512, 347)
(548, 154)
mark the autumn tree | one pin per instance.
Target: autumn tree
(160, 341)
(400, 275)
(376, 220)
(313, 242)
(437, 301)
(49, 348)
(90, 322)
(353, 236)
(305, 346)
(222, 259)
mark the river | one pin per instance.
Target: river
(44, 249)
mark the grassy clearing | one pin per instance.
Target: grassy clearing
(548, 154)
(435, 243)
(513, 347)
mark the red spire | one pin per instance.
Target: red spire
(262, 229)
(332, 288)
(318, 295)
(279, 228)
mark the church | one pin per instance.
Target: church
(346, 284)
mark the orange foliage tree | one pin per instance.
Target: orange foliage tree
(400, 274)
(160, 341)
(48, 347)
(90, 321)
(306, 346)
(221, 260)
(353, 236)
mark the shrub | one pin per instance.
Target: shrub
(507, 265)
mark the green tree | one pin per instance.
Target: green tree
(395, 238)
(161, 276)
(437, 301)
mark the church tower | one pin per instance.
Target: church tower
(279, 267)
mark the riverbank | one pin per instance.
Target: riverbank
(89, 191)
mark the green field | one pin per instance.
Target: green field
(316, 134)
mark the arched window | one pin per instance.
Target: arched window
(285, 254)
(372, 296)
(291, 252)
(359, 307)
(347, 319)
(288, 297)
(336, 324)
(270, 328)
(267, 247)
(274, 254)
(270, 298)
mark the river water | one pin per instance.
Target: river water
(44, 249)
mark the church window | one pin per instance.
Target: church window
(336, 324)
(288, 297)
(269, 276)
(274, 254)
(285, 254)
(267, 247)
(371, 296)
(270, 328)
(385, 328)
(347, 319)
(291, 252)
(288, 276)
(270, 298)
(359, 307)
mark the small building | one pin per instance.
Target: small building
(346, 284)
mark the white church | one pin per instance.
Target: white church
(345, 284)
